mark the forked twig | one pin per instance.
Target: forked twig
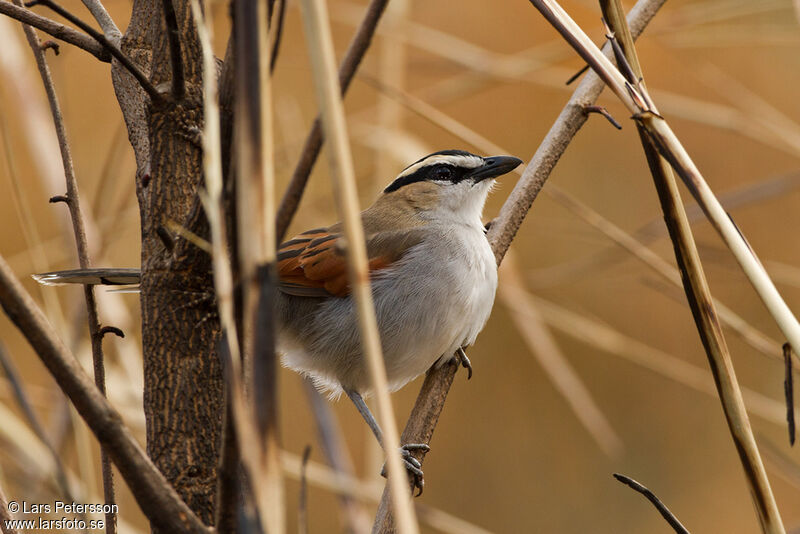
(126, 62)
(56, 29)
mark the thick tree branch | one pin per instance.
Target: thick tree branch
(56, 29)
(355, 53)
(430, 402)
(79, 230)
(157, 499)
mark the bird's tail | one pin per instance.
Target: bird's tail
(104, 277)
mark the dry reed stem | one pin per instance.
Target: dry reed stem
(318, 35)
(699, 295)
(240, 409)
(256, 266)
(79, 231)
(157, 499)
(430, 401)
(638, 102)
(541, 343)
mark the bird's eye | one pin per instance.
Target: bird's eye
(443, 173)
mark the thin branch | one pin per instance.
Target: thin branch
(157, 499)
(696, 285)
(311, 149)
(105, 21)
(662, 509)
(126, 62)
(56, 29)
(78, 228)
(175, 57)
(320, 41)
(430, 402)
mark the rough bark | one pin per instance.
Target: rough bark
(183, 388)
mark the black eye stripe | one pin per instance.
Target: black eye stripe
(430, 173)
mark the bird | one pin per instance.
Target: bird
(432, 272)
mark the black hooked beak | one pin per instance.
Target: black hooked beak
(494, 167)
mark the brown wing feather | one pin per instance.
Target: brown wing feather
(315, 265)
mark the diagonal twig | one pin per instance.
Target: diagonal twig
(662, 509)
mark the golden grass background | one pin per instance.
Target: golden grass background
(509, 455)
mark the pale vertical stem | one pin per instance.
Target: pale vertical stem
(318, 35)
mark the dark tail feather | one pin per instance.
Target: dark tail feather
(104, 277)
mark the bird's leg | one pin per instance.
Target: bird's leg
(413, 465)
(465, 363)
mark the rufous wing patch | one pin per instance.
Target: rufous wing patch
(314, 265)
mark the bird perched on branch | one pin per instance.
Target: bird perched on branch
(432, 271)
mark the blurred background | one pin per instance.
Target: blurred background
(590, 363)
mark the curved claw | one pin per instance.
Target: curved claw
(465, 363)
(413, 466)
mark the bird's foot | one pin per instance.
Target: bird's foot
(461, 356)
(413, 466)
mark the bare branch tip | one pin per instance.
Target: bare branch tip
(604, 112)
(54, 46)
(59, 198)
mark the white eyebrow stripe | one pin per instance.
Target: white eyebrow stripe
(468, 162)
